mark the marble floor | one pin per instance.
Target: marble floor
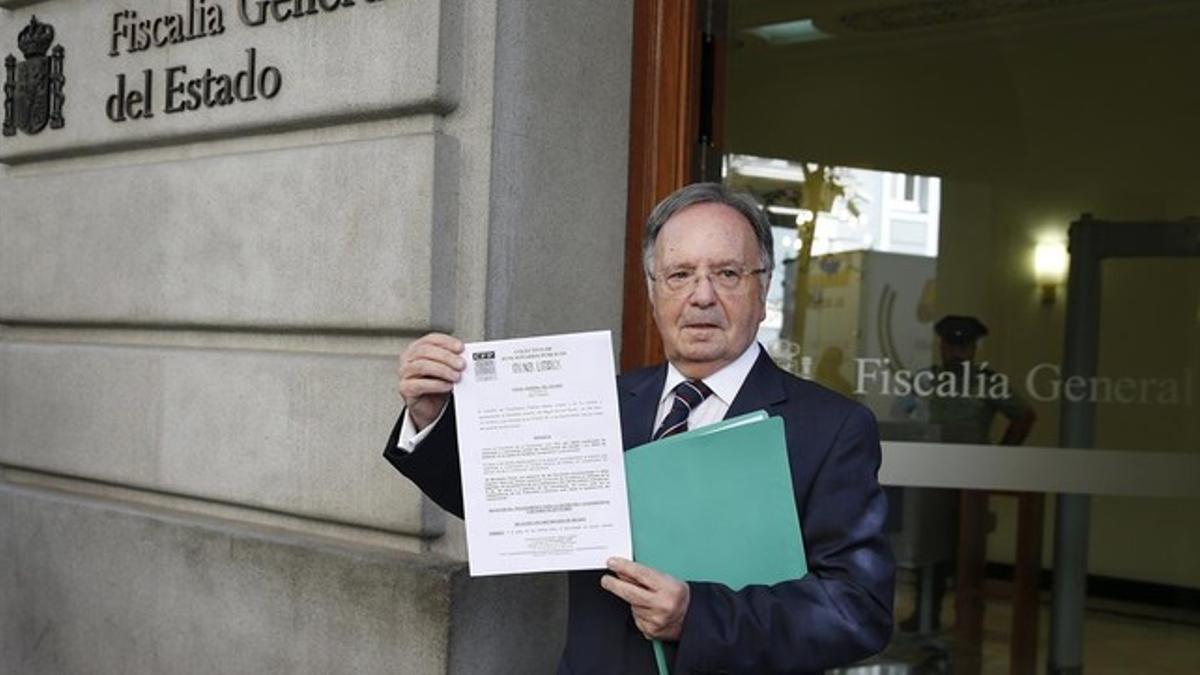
(1119, 638)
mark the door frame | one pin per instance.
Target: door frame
(664, 122)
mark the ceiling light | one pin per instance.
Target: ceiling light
(790, 32)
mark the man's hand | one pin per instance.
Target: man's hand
(658, 601)
(428, 370)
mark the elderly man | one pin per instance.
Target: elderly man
(708, 256)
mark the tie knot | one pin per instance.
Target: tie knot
(692, 392)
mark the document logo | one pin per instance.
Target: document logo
(485, 365)
(33, 88)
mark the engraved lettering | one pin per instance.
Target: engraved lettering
(258, 12)
(132, 34)
(212, 90)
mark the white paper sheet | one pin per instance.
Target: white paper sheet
(539, 439)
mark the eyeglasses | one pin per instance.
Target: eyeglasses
(726, 279)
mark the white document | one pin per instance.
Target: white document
(539, 442)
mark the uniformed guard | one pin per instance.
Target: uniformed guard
(966, 416)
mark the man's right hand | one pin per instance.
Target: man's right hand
(428, 370)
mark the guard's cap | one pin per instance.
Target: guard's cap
(960, 329)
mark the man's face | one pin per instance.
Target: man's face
(955, 353)
(703, 328)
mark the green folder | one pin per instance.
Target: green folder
(717, 504)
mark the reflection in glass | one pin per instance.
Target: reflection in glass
(920, 163)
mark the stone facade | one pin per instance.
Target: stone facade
(200, 306)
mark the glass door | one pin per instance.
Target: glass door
(934, 175)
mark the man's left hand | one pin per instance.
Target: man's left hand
(658, 601)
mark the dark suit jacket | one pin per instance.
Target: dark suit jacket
(841, 612)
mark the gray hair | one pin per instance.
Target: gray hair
(709, 193)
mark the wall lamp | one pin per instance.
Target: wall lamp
(1050, 268)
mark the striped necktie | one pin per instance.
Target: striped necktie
(688, 395)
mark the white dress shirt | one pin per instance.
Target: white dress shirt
(725, 384)
(409, 437)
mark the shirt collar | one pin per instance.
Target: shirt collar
(725, 383)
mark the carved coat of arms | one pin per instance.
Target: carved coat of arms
(33, 88)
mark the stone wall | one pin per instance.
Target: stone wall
(200, 310)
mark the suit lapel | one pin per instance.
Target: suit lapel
(762, 389)
(639, 402)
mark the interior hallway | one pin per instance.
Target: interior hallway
(1120, 638)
